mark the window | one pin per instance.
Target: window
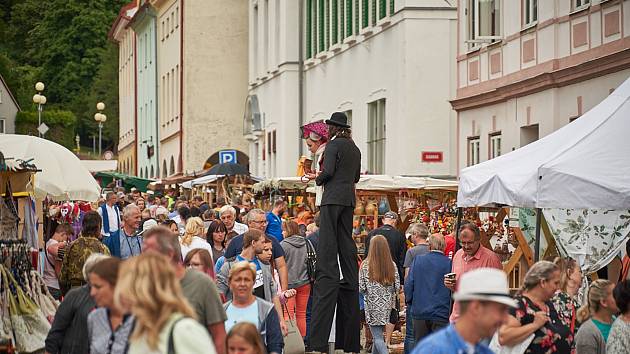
(530, 12)
(495, 145)
(473, 151)
(168, 26)
(484, 19)
(376, 137)
(579, 4)
(349, 115)
(0, 96)
(2, 126)
(176, 16)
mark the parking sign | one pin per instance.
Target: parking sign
(226, 156)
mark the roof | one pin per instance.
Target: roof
(124, 16)
(10, 93)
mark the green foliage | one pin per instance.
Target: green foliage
(62, 125)
(64, 44)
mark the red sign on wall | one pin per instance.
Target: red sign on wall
(432, 156)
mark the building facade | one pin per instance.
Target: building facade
(526, 68)
(389, 64)
(201, 81)
(125, 37)
(8, 109)
(144, 25)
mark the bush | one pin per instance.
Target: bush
(61, 124)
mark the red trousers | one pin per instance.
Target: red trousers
(297, 307)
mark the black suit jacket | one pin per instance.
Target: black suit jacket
(341, 170)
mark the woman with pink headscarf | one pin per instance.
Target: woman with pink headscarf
(316, 135)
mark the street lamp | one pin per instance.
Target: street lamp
(100, 118)
(39, 100)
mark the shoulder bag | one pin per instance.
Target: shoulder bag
(293, 342)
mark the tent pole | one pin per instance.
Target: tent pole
(537, 241)
(460, 213)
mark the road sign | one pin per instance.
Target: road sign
(42, 129)
(226, 156)
(108, 155)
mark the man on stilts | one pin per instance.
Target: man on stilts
(336, 249)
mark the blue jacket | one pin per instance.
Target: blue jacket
(424, 288)
(268, 325)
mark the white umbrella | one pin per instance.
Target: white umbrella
(62, 175)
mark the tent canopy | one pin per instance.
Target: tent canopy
(128, 181)
(585, 164)
(209, 179)
(95, 166)
(386, 183)
(62, 175)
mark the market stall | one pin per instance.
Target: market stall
(292, 189)
(577, 179)
(233, 188)
(27, 306)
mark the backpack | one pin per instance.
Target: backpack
(311, 261)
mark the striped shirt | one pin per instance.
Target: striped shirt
(102, 339)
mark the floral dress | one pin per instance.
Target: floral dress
(566, 307)
(553, 337)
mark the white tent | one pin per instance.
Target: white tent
(95, 166)
(585, 164)
(62, 175)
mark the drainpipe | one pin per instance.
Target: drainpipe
(301, 72)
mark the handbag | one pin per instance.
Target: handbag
(518, 348)
(293, 342)
(5, 320)
(30, 326)
(42, 297)
(311, 261)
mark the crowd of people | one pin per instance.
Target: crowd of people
(169, 275)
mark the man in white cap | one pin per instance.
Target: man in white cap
(484, 298)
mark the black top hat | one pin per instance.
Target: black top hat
(339, 119)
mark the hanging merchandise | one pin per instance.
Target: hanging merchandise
(9, 218)
(29, 232)
(26, 306)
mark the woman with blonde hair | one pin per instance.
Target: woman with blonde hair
(379, 283)
(536, 315)
(244, 339)
(565, 300)
(596, 316)
(194, 237)
(165, 322)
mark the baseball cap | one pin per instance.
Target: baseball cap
(390, 215)
(485, 284)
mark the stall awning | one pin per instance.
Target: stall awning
(585, 164)
(128, 181)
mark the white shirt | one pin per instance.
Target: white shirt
(114, 222)
(50, 277)
(197, 242)
(189, 337)
(240, 228)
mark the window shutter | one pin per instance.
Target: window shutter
(391, 7)
(382, 9)
(309, 14)
(327, 34)
(348, 18)
(357, 12)
(374, 12)
(321, 25)
(365, 13)
(335, 22)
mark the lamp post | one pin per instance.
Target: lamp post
(100, 118)
(39, 100)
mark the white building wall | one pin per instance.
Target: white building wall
(409, 62)
(169, 85)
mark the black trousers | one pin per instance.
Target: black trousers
(335, 237)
